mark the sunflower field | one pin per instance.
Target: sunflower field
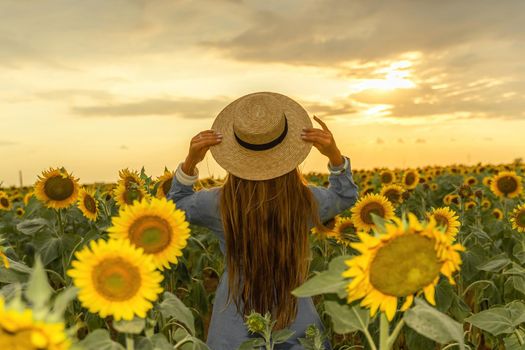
(428, 258)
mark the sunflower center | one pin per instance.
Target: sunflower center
(410, 178)
(386, 177)
(441, 220)
(347, 227)
(368, 209)
(166, 185)
(393, 195)
(520, 218)
(131, 194)
(507, 184)
(116, 279)
(4, 202)
(151, 233)
(58, 188)
(405, 265)
(90, 204)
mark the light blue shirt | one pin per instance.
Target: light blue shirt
(227, 330)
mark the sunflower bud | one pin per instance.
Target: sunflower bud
(255, 322)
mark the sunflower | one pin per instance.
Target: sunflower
(487, 181)
(470, 205)
(19, 330)
(20, 212)
(28, 196)
(116, 278)
(517, 218)
(402, 262)
(470, 180)
(56, 188)
(447, 218)
(88, 204)
(3, 257)
(486, 204)
(393, 192)
(497, 213)
(387, 177)
(322, 234)
(126, 195)
(164, 184)
(506, 184)
(434, 186)
(410, 179)
(128, 177)
(5, 202)
(371, 203)
(344, 230)
(156, 226)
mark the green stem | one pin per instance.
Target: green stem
(520, 338)
(60, 225)
(393, 337)
(383, 332)
(182, 342)
(129, 342)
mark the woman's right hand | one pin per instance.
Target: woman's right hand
(199, 145)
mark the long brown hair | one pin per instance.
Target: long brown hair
(266, 226)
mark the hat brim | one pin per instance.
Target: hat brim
(267, 164)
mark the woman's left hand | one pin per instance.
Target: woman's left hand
(324, 141)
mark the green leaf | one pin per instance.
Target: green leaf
(32, 226)
(47, 246)
(134, 326)
(251, 344)
(518, 282)
(20, 267)
(347, 318)
(282, 335)
(379, 222)
(495, 264)
(501, 319)
(38, 289)
(62, 301)
(433, 324)
(515, 269)
(329, 281)
(100, 340)
(156, 342)
(171, 306)
(9, 275)
(512, 342)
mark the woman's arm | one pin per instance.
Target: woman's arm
(201, 207)
(342, 191)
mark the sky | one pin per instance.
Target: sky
(97, 86)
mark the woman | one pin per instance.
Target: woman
(264, 211)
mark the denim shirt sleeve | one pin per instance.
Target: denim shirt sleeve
(201, 207)
(341, 194)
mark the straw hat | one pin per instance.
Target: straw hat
(261, 136)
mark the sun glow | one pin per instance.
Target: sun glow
(392, 75)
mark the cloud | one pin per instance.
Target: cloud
(333, 108)
(181, 107)
(333, 31)
(7, 143)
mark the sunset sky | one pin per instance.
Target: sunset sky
(97, 86)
